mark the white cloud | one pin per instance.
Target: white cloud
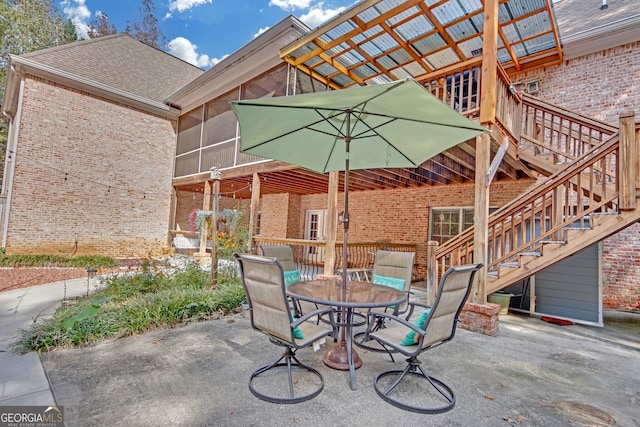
(187, 51)
(260, 31)
(79, 14)
(290, 4)
(318, 15)
(182, 5)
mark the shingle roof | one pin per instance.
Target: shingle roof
(121, 62)
(575, 16)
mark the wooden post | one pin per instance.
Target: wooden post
(432, 271)
(481, 215)
(489, 81)
(332, 224)
(627, 163)
(253, 211)
(216, 177)
(206, 206)
(558, 211)
(488, 97)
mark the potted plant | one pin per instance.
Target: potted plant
(502, 298)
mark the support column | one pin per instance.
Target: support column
(332, 224)
(214, 228)
(206, 206)
(481, 215)
(253, 211)
(432, 271)
(488, 97)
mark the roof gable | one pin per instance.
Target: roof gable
(120, 62)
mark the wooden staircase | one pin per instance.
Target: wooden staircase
(591, 191)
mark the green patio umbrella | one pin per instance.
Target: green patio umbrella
(391, 125)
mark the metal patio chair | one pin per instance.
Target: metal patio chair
(393, 269)
(263, 282)
(433, 327)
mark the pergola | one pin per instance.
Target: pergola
(431, 41)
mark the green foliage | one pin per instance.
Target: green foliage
(132, 304)
(82, 261)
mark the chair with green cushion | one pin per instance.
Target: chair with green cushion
(394, 269)
(263, 282)
(412, 339)
(284, 255)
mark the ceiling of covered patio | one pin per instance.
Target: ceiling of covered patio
(379, 41)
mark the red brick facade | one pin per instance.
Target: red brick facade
(603, 85)
(92, 176)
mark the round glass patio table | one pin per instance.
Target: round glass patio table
(353, 295)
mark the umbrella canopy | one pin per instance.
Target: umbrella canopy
(392, 125)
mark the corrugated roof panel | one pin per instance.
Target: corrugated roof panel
(517, 8)
(367, 34)
(386, 5)
(337, 49)
(414, 69)
(401, 73)
(314, 60)
(368, 15)
(448, 12)
(442, 59)
(340, 30)
(342, 80)
(301, 51)
(539, 44)
(429, 44)
(463, 30)
(326, 69)
(527, 27)
(365, 71)
(468, 47)
(400, 56)
(414, 28)
(379, 45)
(503, 55)
(380, 79)
(402, 15)
(350, 58)
(470, 5)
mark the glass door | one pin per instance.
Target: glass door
(315, 228)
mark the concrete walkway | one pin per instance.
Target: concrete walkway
(530, 373)
(23, 381)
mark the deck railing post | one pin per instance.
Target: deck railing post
(432, 271)
(627, 161)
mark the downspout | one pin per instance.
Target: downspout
(10, 162)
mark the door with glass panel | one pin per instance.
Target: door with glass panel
(315, 228)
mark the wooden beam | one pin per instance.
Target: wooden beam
(488, 84)
(497, 159)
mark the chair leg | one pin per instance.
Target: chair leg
(289, 360)
(362, 338)
(413, 368)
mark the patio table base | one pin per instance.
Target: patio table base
(338, 358)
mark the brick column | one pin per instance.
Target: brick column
(481, 318)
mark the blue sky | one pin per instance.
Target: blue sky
(203, 32)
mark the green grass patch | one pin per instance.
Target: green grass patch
(134, 304)
(82, 261)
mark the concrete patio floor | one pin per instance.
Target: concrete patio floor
(531, 373)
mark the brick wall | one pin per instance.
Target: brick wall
(92, 176)
(400, 216)
(602, 85)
